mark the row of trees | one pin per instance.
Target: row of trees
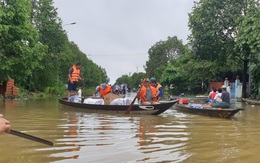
(36, 51)
(224, 41)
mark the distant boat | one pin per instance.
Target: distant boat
(226, 113)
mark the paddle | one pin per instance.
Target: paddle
(132, 103)
(30, 137)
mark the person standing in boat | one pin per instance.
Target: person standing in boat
(158, 87)
(4, 124)
(73, 78)
(103, 89)
(148, 93)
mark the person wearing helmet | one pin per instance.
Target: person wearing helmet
(158, 88)
(103, 90)
(148, 93)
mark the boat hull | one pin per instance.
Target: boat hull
(121, 109)
(226, 113)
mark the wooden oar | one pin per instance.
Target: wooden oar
(30, 137)
(131, 105)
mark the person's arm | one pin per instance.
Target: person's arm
(69, 75)
(4, 124)
(80, 78)
(157, 93)
(160, 94)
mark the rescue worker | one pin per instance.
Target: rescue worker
(103, 89)
(148, 93)
(158, 87)
(73, 78)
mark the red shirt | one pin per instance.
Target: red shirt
(212, 95)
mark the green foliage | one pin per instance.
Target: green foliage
(248, 42)
(123, 79)
(214, 26)
(21, 52)
(35, 51)
(134, 81)
(162, 53)
(256, 79)
(248, 38)
(187, 75)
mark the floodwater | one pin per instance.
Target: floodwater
(83, 137)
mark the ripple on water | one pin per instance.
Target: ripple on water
(96, 138)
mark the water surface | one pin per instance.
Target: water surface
(79, 136)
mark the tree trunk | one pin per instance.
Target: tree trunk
(244, 78)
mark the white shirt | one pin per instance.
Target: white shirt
(218, 97)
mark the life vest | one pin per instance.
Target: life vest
(75, 74)
(105, 91)
(143, 93)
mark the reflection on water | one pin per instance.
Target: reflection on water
(79, 136)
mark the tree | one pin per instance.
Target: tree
(248, 42)
(45, 18)
(186, 75)
(123, 79)
(214, 25)
(136, 79)
(162, 53)
(21, 52)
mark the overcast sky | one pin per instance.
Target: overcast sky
(117, 34)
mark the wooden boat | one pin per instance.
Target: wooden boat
(121, 109)
(251, 102)
(226, 113)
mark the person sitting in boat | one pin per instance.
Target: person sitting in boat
(225, 95)
(217, 97)
(225, 98)
(158, 87)
(212, 95)
(148, 93)
(103, 89)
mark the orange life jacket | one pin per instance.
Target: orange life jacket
(105, 91)
(75, 74)
(143, 93)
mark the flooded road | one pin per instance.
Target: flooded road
(83, 137)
